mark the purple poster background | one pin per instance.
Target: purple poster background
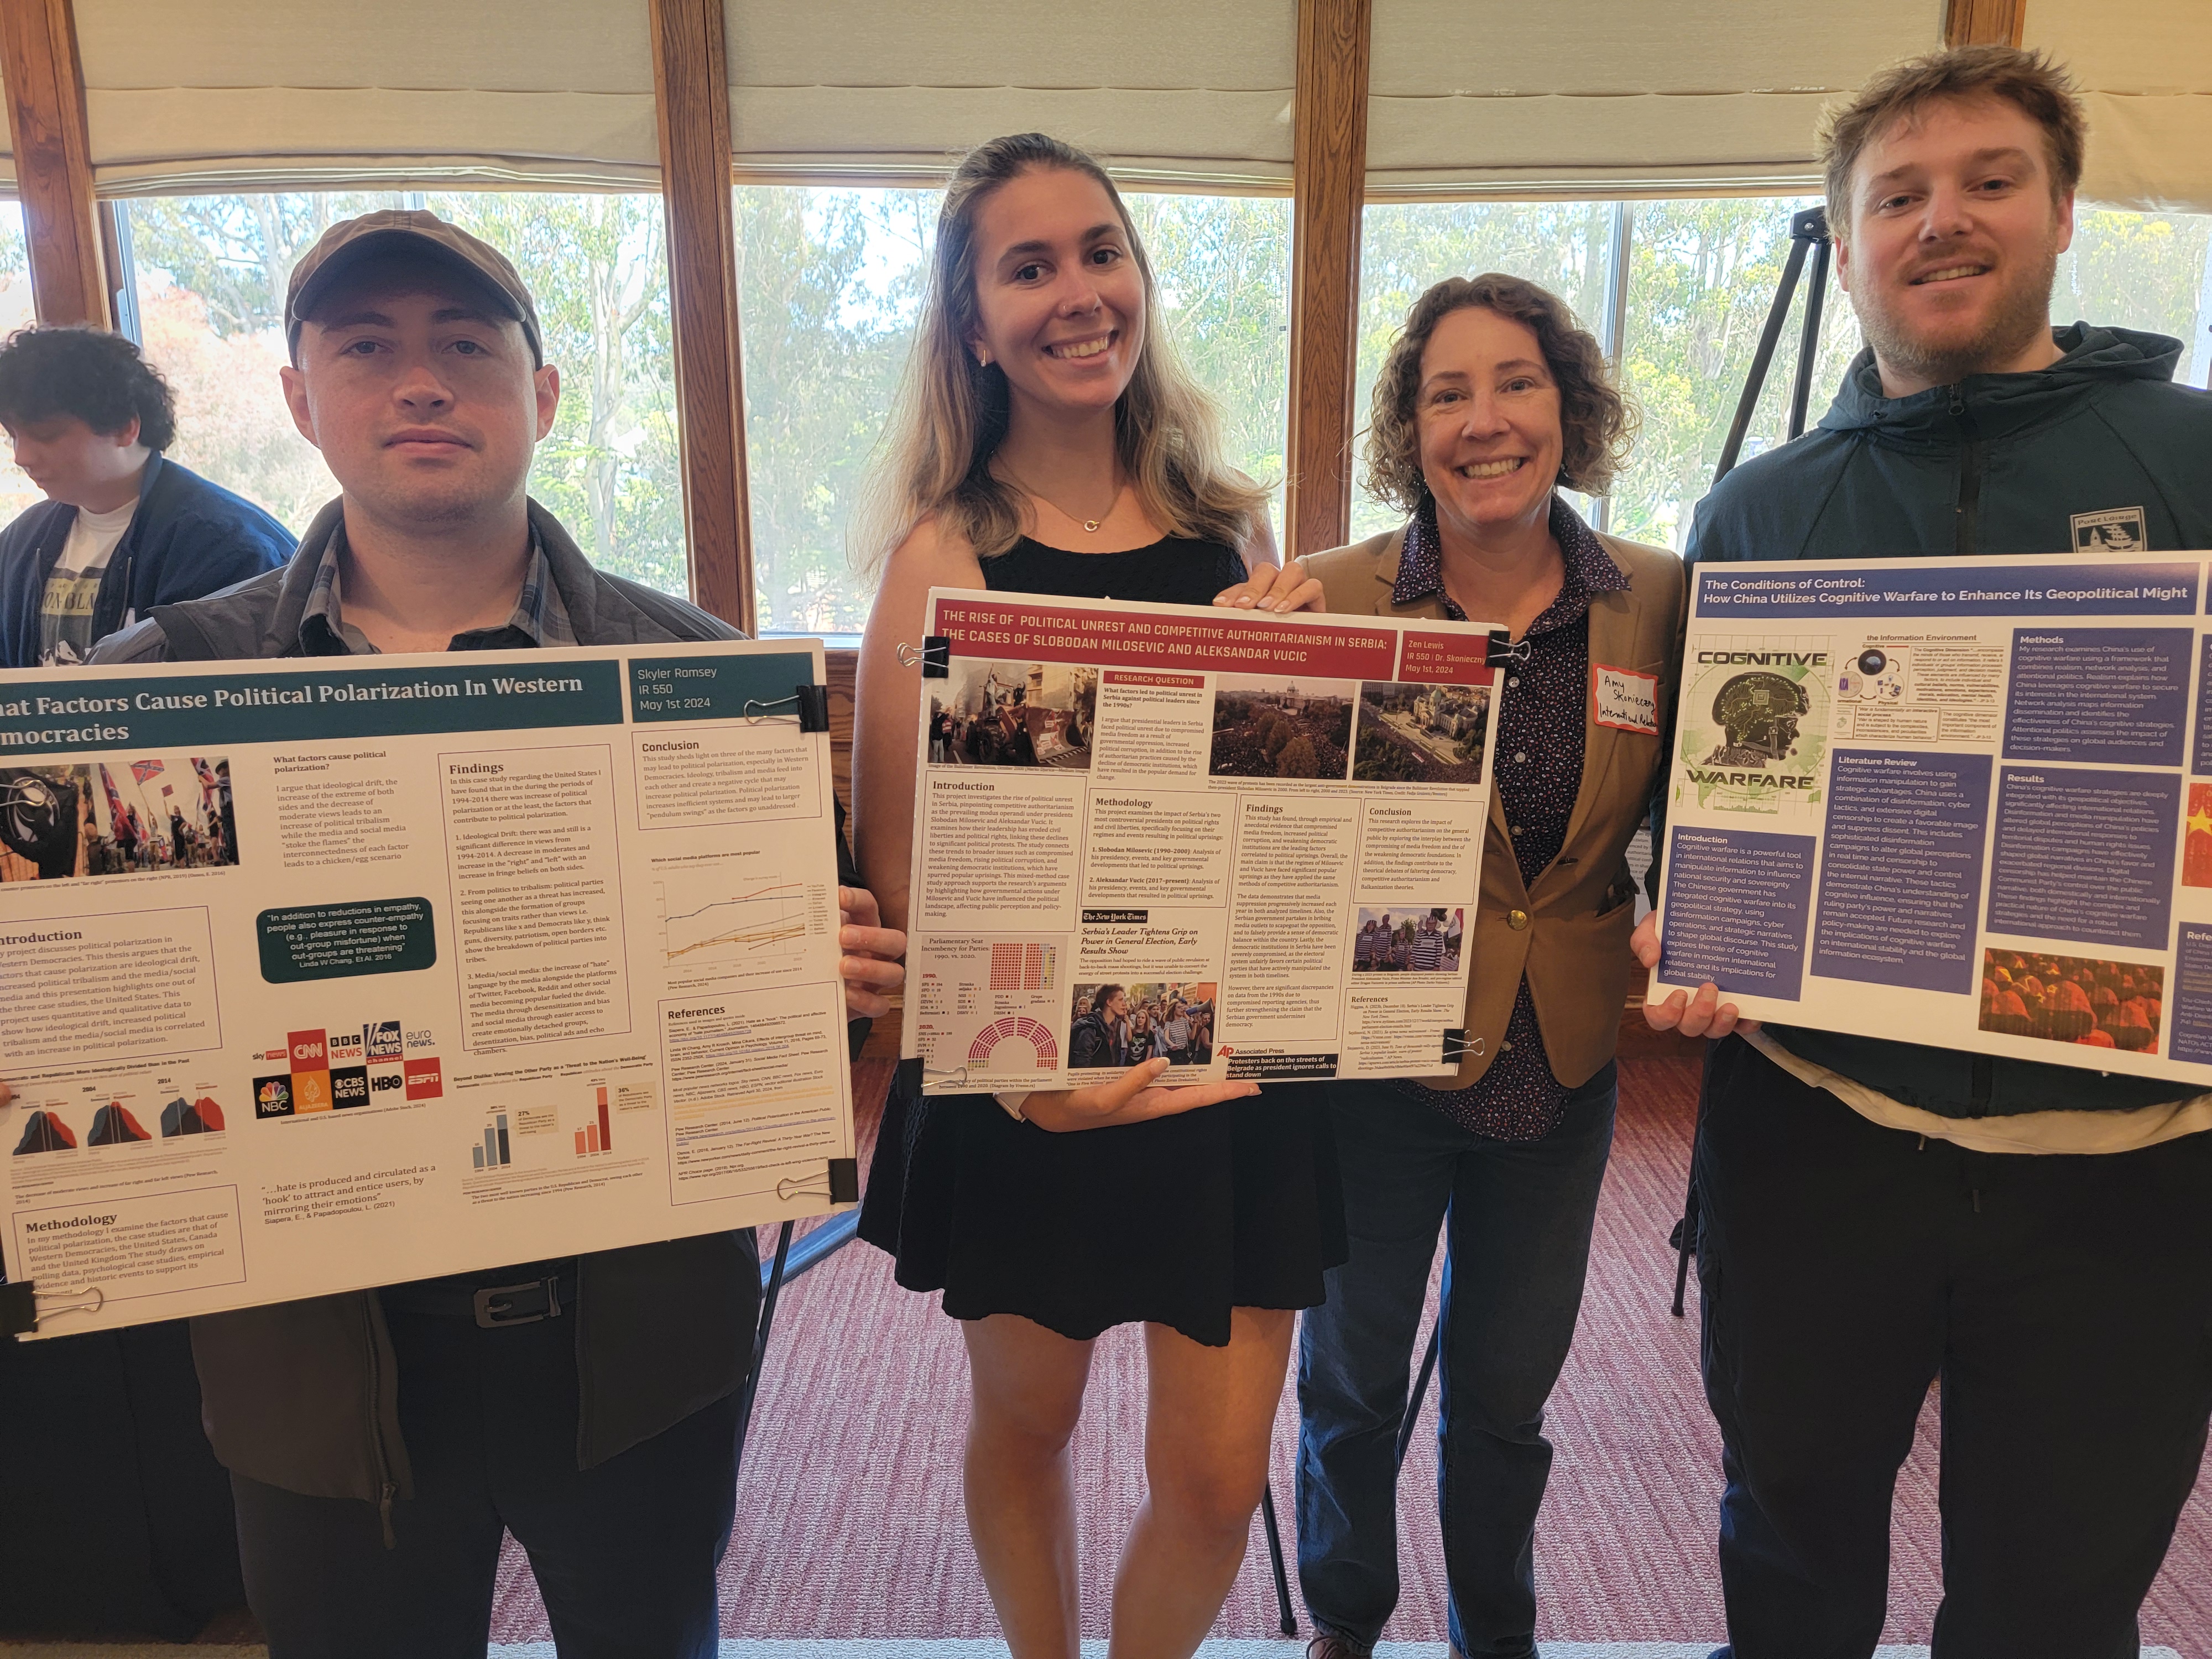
(1737, 905)
(1901, 869)
(2085, 855)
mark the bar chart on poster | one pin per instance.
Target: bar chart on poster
(1963, 802)
(354, 973)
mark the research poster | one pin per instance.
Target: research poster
(1250, 843)
(327, 975)
(1960, 802)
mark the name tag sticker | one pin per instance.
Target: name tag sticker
(1626, 700)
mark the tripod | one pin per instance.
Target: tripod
(1809, 229)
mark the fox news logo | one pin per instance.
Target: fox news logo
(382, 1040)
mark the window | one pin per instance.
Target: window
(16, 491)
(1702, 276)
(830, 284)
(2145, 270)
(211, 274)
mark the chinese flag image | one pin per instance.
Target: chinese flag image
(2197, 852)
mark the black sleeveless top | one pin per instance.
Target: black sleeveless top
(1173, 1221)
(1174, 570)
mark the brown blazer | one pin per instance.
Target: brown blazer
(1572, 936)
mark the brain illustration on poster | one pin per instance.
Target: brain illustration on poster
(1754, 723)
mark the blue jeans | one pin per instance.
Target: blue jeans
(1517, 1217)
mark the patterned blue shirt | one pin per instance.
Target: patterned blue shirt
(1542, 729)
(539, 618)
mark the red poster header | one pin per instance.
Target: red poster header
(1168, 638)
(1441, 658)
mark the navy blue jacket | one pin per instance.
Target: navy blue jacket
(189, 538)
(1996, 464)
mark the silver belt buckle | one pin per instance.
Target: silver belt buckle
(495, 1303)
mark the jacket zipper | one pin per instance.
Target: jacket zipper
(1970, 475)
(387, 1491)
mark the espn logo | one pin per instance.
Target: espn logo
(423, 1080)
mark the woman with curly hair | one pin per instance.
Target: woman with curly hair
(1491, 402)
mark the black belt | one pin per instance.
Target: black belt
(492, 1306)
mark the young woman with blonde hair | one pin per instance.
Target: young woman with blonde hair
(1049, 441)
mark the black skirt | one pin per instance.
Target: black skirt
(1173, 1221)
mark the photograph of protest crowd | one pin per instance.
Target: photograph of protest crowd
(1013, 714)
(1408, 939)
(2196, 847)
(116, 817)
(1420, 733)
(1267, 727)
(2102, 1005)
(1117, 1026)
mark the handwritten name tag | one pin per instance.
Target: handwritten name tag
(1626, 700)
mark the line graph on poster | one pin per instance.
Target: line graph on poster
(713, 932)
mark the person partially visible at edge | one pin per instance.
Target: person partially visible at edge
(380, 1442)
(1049, 441)
(1878, 1215)
(123, 527)
(1490, 401)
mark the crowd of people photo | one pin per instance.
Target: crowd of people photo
(1119, 1026)
(1413, 941)
(1870, 1219)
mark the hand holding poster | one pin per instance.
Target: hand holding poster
(334, 976)
(1953, 802)
(1251, 844)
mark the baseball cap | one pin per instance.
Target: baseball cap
(412, 233)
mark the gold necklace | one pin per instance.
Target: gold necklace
(1090, 525)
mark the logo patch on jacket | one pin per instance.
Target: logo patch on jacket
(2116, 529)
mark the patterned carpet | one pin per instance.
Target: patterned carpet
(850, 1525)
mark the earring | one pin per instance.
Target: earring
(982, 358)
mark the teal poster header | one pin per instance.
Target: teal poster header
(718, 688)
(70, 714)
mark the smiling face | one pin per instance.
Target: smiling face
(1059, 297)
(422, 398)
(1487, 410)
(1954, 243)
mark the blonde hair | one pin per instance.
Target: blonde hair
(935, 454)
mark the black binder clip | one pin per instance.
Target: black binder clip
(809, 702)
(907, 1078)
(1457, 1047)
(937, 656)
(1502, 652)
(21, 1307)
(840, 1185)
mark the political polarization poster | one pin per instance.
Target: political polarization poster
(1960, 802)
(1249, 844)
(327, 976)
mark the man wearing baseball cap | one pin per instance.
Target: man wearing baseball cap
(380, 1442)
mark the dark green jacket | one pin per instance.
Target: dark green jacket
(304, 1396)
(1996, 464)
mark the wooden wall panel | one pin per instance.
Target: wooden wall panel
(1329, 177)
(1983, 23)
(53, 160)
(692, 90)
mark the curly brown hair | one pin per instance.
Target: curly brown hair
(1596, 423)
